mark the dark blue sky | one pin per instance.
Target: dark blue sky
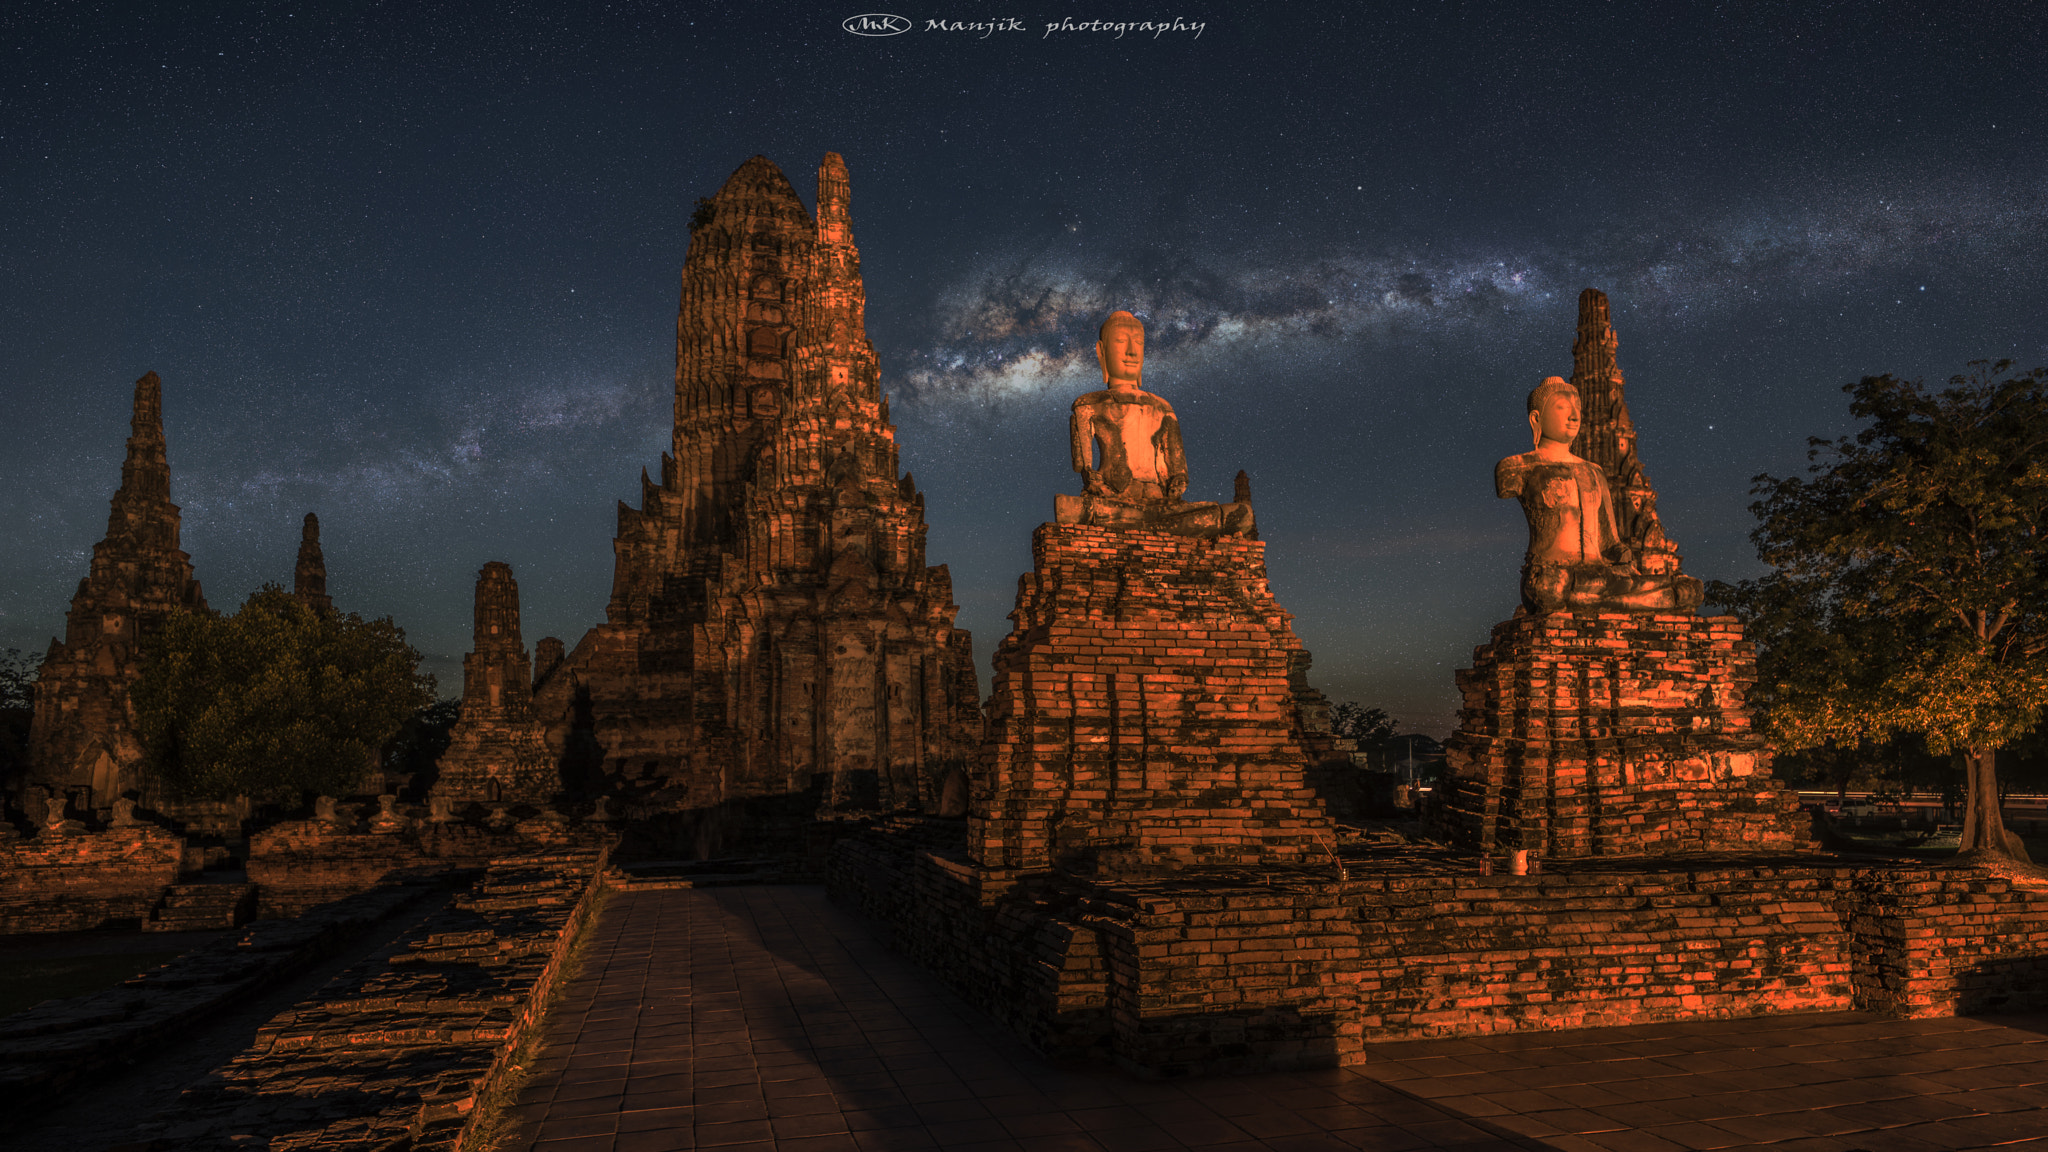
(415, 268)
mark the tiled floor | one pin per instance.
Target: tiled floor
(1825, 1083)
(767, 1018)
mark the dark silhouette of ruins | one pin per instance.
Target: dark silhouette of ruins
(82, 742)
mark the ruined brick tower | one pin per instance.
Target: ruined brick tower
(82, 739)
(773, 629)
(1607, 436)
(309, 578)
(495, 752)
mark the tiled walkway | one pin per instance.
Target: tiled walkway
(768, 1018)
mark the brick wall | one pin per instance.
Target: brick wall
(1611, 734)
(1142, 714)
(1286, 966)
(81, 881)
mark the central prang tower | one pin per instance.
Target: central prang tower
(773, 627)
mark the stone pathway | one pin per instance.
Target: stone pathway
(751, 1019)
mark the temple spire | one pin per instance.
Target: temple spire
(1607, 436)
(141, 509)
(309, 578)
(80, 739)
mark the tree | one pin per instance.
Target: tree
(1910, 592)
(415, 752)
(275, 701)
(1369, 726)
(18, 672)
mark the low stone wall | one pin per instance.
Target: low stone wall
(300, 864)
(48, 1048)
(395, 1052)
(1238, 969)
(71, 883)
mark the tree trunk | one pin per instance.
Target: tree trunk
(1983, 824)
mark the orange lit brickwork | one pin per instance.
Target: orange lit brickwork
(1143, 715)
(1289, 966)
(1613, 735)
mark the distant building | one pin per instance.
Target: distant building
(82, 741)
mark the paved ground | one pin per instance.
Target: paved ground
(767, 1018)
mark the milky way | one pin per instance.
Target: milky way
(416, 271)
(1026, 323)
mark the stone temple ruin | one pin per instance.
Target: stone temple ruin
(1138, 876)
(82, 743)
(1135, 853)
(775, 641)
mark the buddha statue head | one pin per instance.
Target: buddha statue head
(1554, 411)
(1120, 349)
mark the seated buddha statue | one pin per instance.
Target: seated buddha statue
(1127, 448)
(1577, 560)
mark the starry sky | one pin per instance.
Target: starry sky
(415, 268)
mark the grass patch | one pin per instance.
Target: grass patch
(491, 1127)
(26, 981)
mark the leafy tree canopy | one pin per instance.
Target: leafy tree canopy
(1369, 726)
(1910, 592)
(275, 701)
(18, 672)
(416, 750)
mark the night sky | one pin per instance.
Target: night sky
(415, 268)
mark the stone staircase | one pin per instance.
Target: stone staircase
(202, 908)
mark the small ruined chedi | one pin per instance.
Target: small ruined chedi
(773, 629)
(1147, 708)
(82, 741)
(1605, 718)
(495, 752)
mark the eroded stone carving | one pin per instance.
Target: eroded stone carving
(1127, 448)
(325, 811)
(389, 819)
(55, 822)
(1577, 559)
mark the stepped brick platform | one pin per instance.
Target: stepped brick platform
(202, 908)
(1144, 716)
(395, 1051)
(1230, 969)
(1590, 734)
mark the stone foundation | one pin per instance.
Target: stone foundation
(1232, 969)
(86, 880)
(1613, 735)
(1144, 714)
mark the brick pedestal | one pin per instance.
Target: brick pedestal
(1613, 735)
(1143, 717)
